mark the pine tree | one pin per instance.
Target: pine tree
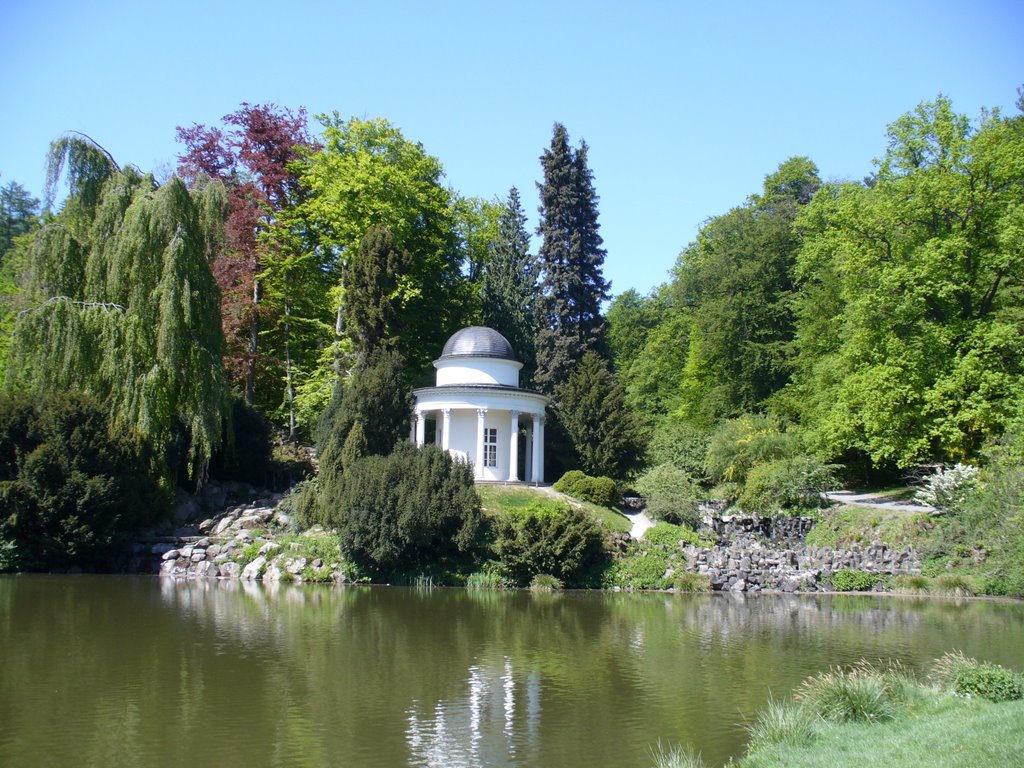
(571, 260)
(592, 410)
(18, 211)
(509, 285)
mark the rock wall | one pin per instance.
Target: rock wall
(782, 529)
(213, 547)
(747, 564)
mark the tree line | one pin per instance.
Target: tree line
(307, 280)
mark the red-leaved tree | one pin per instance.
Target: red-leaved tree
(253, 155)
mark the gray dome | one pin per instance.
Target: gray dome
(478, 341)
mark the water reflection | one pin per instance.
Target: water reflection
(481, 727)
(118, 671)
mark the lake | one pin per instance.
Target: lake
(128, 671)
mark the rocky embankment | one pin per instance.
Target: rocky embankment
(749, 564)
(250, 540)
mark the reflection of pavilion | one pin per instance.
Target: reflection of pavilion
(478, 410)
(482, 728)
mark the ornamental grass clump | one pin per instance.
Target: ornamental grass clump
(969, 677)
(782, 723)
(692, 582)
(954, 585)
(861, 694)
(675, 756)
(911, 585)
(481, 581)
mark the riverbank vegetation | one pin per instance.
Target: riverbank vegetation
(964, 711)
(292, 283)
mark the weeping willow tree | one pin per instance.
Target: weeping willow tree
(123, 305)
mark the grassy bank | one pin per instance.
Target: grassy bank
(947, 733)
(965, 713)
(497, 499)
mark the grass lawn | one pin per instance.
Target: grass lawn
(951, 733)
(848, 524)
(502, 498)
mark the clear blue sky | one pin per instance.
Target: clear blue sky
(686, 106)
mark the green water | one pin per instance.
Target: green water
(122, 671)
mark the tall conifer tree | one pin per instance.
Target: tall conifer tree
(571, 260)
(509, 285)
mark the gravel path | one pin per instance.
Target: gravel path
(641, 522)
(876, 502)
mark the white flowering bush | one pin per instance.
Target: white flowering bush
(949, 488)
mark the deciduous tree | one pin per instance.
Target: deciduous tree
(253, 156)
(123, 306)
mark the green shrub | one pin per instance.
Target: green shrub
(301, 503)
(544, 582)
(72, 492)
(969, 677)
(739, 444)
(248, 553)
(670, 494)
(551, 539)
(782, 723)
(692, 582)
(848, 580)
(596, 490)
(671, 536)
(794, 484)
(407, 511)
(639, 571)
(681, 445)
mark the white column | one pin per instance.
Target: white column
(538, 449)
(528, 464)
(513, 449)
(481, 414)
(421, 429)
(412, 426)
(446, 425)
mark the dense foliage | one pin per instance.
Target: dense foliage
(553, 540)
(671, 494)
(508, 286)
(591, 408)
(580, 485)
(406, 512)
(815, 331)
(72, 493)
(122, 305)
(265, 280)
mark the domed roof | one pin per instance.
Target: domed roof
(478, 341)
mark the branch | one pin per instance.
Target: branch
(69, 300)
(98, 146)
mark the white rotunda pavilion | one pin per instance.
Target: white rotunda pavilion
(478, 412)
